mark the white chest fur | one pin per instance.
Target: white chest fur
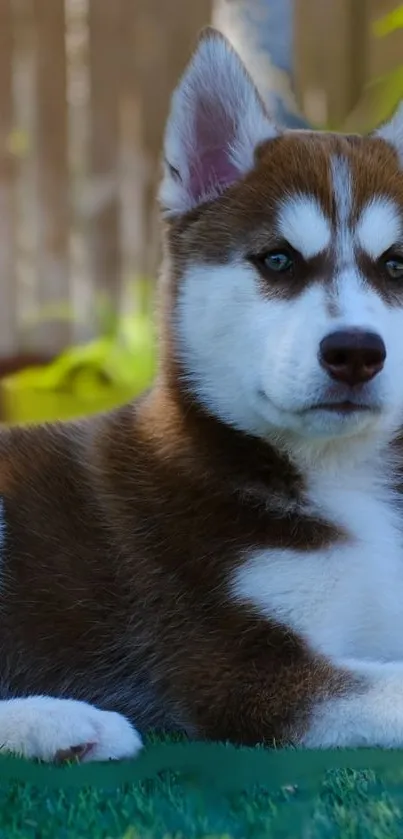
(346, 600)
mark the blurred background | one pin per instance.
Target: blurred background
(84, 94)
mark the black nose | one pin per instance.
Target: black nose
(352, 356)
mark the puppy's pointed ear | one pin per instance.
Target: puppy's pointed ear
(392, 130)
(216, 121)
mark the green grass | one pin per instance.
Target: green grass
(102, 803)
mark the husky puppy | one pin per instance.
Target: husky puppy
(224, 557)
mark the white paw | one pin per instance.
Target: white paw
(61, 729)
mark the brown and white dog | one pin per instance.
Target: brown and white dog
(225, 556)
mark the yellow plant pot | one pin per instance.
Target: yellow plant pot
(83, 380)
(33, 406)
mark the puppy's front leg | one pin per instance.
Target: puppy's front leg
(308, 701)
(370, 714)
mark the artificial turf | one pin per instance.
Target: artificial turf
(102, 802)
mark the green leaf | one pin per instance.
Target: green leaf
(389, 91)
(388, 23)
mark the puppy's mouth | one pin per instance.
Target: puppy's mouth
(341, 404)
(344, 407)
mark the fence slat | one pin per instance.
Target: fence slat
(157, 40)
(330, 71)
(51, 141)
(8, 296)
(105, 77)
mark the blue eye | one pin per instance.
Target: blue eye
(275, 262)
(394, 267)
(279, 262)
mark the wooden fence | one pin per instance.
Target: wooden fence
(84, 92)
